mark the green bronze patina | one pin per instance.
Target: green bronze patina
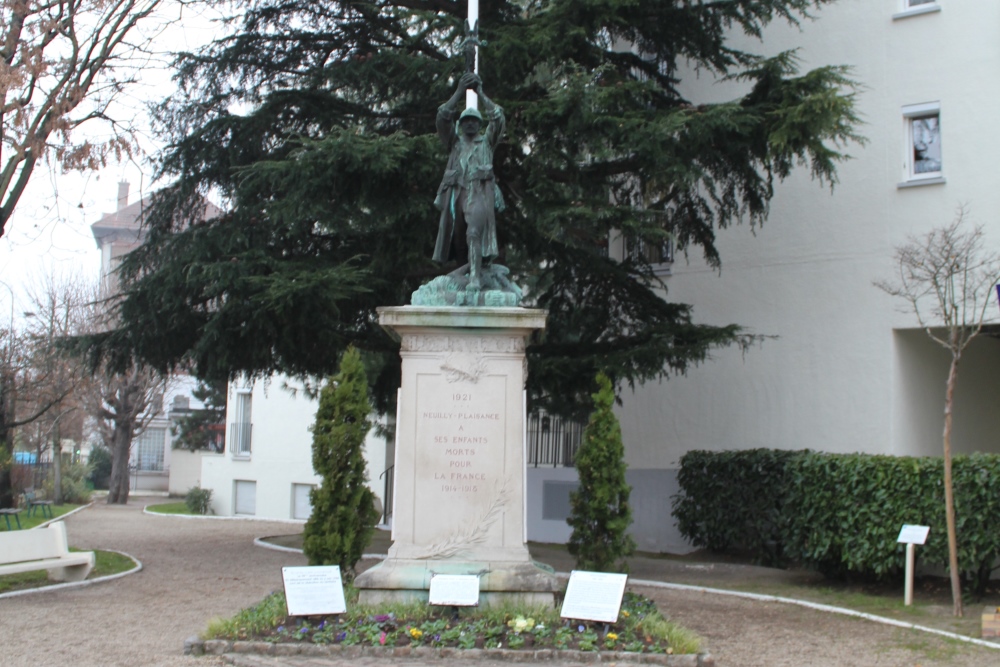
(469, 200)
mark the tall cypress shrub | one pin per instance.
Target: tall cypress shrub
(343, 511)
(601, 513)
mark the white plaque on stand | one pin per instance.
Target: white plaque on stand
(313, 590)
(455, 590)
(594, 596)
(913, 534)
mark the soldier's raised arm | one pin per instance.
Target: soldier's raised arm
(448, 112)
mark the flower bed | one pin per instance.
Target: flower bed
(640, 628)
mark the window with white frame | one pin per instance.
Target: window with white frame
(241, 429)
(149, 449)
(923, 142)
(916, 7)
(244, 497)
(301, 502)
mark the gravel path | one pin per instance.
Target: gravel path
(194, 570)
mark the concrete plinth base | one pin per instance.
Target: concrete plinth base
(459, 469)
(499, 581)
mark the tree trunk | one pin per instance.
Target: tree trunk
(6, 417)
(949, 494)
(120, 446)
(57, 495)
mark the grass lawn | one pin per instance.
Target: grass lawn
(108, 562)
(171, 508)
(36, 517)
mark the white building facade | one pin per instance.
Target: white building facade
(266, 469)
(847, 371)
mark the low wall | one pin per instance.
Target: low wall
(185, 471)
(653, 527)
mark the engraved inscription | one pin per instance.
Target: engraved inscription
(484, 345)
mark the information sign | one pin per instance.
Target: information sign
(913, 534)
(314, 590)
(455, 590)
(594, 596)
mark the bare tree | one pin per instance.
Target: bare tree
(38, 380)
(946, 278)
(57, 377)
(124, 404)
(62, 64)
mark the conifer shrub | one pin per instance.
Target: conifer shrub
(601, 513)
(343, 511)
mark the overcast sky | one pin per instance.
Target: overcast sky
(49, 231)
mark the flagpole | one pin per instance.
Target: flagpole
(471, 99)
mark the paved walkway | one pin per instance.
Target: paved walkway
(198, 569)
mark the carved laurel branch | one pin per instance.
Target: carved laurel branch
(461, 541)
(471, 373)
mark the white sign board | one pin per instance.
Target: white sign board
(313, 590)
(594, 596)
(456, 590)
(913, 534)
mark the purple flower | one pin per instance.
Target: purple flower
(281, 628)
(437, 637)
(580, 628)
(303, 630)
(340, 636)
(382, 618)
(322, 624)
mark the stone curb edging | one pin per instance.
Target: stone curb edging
(261, 542)
(195, 646)
(63, 516)
(145, 510)
(80, 584)
(812, 605)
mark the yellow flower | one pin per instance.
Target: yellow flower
(612, 636)
(415, 633)
(521, 624)
(625, 614)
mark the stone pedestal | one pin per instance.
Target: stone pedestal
(460, 459)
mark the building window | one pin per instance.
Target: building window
(149, 449)
(244, 497)
(917, 7)
(301, 504)
(923, 161)
(659, 255)
(241, 428)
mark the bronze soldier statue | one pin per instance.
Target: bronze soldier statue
(468, 196)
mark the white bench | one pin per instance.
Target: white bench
(44, 549)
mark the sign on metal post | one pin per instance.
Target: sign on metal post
(911, 535)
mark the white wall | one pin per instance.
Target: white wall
(827, 381)
(185, 471)
(281, 454)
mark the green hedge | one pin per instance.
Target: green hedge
(734, 502)
(839, 513)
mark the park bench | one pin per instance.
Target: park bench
(44, 549)
(31, 502)
(9, 512)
